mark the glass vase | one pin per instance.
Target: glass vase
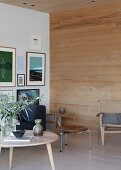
(7, 126)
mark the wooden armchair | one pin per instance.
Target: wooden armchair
(109, 113)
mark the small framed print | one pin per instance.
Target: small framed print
(36, 42)
(20, 79)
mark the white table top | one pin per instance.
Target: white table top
(48, 137)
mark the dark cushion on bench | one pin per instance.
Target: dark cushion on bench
(111, 118)
(25, 125)
(34, 112)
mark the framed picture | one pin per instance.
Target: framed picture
(35, 69)
(4, 93)
(7, 67)
(29, 93)
(20, 79)
(35, 42)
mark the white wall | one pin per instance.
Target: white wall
(16, 26)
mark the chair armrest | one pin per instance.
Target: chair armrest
(98, 114)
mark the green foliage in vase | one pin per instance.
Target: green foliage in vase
(9, 108)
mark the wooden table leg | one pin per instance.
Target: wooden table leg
(10, 157)
(50, 155)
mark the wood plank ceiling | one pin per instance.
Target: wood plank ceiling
(53, 6)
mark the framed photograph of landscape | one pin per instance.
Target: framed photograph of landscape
(20, 80)
(7, 67)
(28, 93)
(35, 69)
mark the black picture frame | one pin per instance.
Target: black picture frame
(30, 93)
(20, 80)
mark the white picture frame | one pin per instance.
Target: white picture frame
(35, 69)
(35, 42)
(4, 93)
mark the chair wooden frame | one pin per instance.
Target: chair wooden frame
(106, 128)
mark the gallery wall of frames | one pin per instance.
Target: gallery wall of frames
(35, 73)
(24, 53)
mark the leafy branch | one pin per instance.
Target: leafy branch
(9, 108)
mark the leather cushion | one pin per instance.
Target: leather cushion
(30, 115)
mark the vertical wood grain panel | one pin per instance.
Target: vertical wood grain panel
(85, 60)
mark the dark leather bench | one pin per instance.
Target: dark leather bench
(34, 112)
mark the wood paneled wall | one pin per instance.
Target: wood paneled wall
(85, 60)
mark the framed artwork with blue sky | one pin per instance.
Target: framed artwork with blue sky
(35, 69)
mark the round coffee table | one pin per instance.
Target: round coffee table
(73, 129)
(47, 138)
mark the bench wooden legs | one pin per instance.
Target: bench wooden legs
(102, 129)
(102, 134)
(50, 155)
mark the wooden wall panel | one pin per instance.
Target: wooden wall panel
(85, 60)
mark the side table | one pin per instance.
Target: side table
(73, 129)
(58, 118)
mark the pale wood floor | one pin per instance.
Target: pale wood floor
(74, 157)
